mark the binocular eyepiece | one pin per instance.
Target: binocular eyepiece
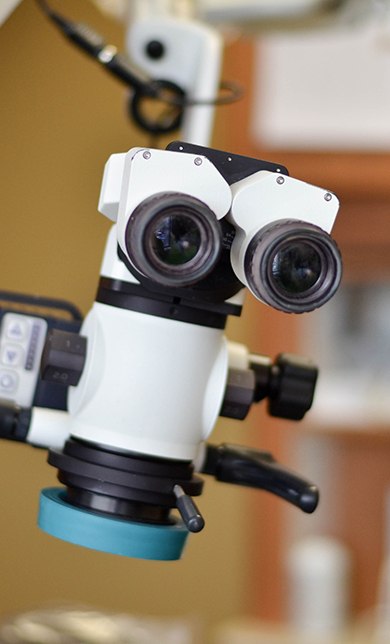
(173, 239)
(194, 218)
(293, 266)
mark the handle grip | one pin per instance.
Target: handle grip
(258, 469)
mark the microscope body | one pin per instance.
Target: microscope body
(151, 369)
(150, 385)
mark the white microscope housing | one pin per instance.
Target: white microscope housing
(158, 370)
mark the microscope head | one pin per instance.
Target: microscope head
(202, 224)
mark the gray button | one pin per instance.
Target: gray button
(16, 328)
(12, 355)
(8, 381)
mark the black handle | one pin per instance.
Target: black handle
(258, 469)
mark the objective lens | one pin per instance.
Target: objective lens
(293, 266)
(176, 240)
(173, 239)
(296, 267)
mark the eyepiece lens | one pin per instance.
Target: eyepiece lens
(173, 240)
(176, 239)
(296, 267)
(293, 265)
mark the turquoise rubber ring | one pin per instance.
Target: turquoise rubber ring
(114, 535)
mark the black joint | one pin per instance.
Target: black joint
(63, 357)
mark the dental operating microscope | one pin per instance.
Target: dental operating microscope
(125, 400)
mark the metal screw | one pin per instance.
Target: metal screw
(147, 154)
(280, 180)
(198, 161)
(328, 196)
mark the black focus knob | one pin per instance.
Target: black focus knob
(289, 385)
(63, 357)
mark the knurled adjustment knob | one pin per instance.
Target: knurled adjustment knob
(291, 386)
(63, 357)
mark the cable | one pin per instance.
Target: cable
(166, 92)
(93, 44)
(39, 301)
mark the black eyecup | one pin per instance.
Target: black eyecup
(162, 205)
(259, 260)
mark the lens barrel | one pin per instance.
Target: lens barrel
(173, 239)
(293, 266)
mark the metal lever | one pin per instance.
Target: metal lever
(258, 469)
(188, 510)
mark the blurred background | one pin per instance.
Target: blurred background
(318, 101)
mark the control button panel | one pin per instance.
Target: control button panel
(22, 338)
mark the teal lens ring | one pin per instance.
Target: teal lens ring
(113, 535)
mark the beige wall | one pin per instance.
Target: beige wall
(60, 118)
